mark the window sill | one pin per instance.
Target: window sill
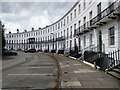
(112, 46)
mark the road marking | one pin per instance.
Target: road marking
(64, 66)
(71, 83)
(36, 74)
(84, 71)
(47, 63)
(41, 67)
(76, 64)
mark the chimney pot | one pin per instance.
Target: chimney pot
(17, 30)
(9, 32)
(32, 29)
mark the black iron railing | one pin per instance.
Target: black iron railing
(114, 58)
(115, 6)
(50, 41)
(60, 38)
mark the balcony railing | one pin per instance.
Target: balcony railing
(110, 10)
(50, 41)
(60, 38)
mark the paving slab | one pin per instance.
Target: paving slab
(81, 75)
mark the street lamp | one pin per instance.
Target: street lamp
(64, 44)
(76, 39)
(53, 44)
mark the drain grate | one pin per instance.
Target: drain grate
(65, 81)
(65, 72)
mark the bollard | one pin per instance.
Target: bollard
(95, 65)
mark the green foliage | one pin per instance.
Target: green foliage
(2, 30)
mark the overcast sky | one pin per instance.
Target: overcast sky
(25, 15)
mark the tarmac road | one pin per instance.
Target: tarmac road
(29, 71)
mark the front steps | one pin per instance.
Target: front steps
(115, 71)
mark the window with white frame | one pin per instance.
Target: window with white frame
(75, 13)
(58, 34)
(64, 22)
(112, 36)
(58, 25)
(36, 33)
(61, 33)
(110, 2)
(71, 31)
(79, 9)
(79, 24)
(67, 19)
(75, 28)
(84, 21)
(91, 39)
(61, 24)
(67, 43)
(48, 30)
(84, 4)
(84, 41)
(64, 33)
(90, 15)
(67, 32)
(71, 16)
(53, 28)
(90, 1)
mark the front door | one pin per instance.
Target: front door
(79, 41)
(100, 42)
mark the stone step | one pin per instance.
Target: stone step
(114, 74)
(118, 67)
(116, 70)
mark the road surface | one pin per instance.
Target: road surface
(29, 71)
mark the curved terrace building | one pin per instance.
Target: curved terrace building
(92, 25)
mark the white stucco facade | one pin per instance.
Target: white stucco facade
(83, 22)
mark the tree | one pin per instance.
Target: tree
(3, 37)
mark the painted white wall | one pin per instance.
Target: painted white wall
(79, 17)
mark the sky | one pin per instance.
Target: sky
(24, 15)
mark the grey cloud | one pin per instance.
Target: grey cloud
(55, 10)
(10, 7)
(59, 8)
(6, 7)
(35, 7)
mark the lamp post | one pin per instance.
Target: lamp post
(70, 46)
(75, 46)
(53, 44)
(64, 44)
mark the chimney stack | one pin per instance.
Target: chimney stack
(32, 29)
(17, 30)
(9, 32)
(25, 30)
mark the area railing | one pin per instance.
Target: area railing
(114, 58)
(60, 38)
(115, 6)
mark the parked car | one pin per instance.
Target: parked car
(9, 52)
(39, 50)
(30, 50)
(53, 51)
(60, 51)
(26, 50)
(46, 50)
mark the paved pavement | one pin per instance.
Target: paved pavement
(76, 74)
(38, 71)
